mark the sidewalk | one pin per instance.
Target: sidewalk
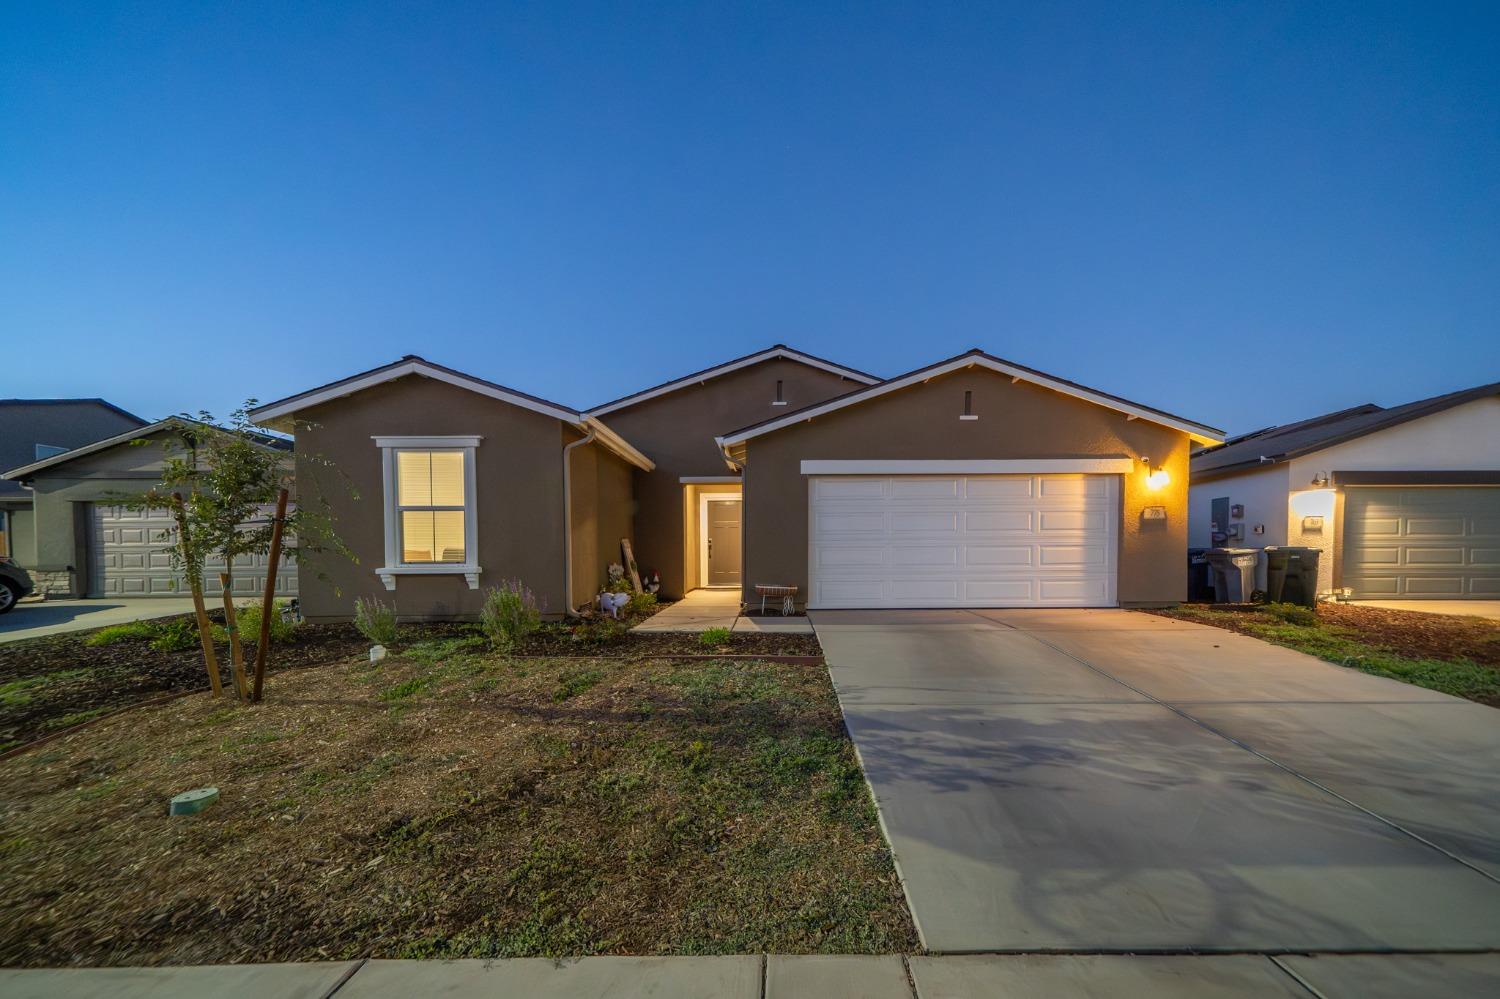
(704, 609)
(1366, 976)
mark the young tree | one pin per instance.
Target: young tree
(219, 481)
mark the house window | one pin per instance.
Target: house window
(47, 450)
(430, 499)
(780, 399)
(430, 508)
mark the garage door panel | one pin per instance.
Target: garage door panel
(1000, 488)
(917, 522)
(923, 489)
(937, 543)
(999, 521)
(925, 557)
(1441, 542)
(128, 557)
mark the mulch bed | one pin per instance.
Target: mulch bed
(452, 802)
(79, 681)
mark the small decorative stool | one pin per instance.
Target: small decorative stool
(786, 593)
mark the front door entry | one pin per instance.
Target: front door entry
(722, 541)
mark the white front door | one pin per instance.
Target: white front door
(963, 541)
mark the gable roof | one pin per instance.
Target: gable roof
(770, 353)
(1292, 440)
(278, 414)
(977, 358)
(67, 423)
(29, 471)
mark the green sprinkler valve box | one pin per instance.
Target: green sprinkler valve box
(192, 802)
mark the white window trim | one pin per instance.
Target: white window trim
(998, 466)
(394, 567)
(703, 501)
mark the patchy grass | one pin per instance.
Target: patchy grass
(1455, 655)
(451, 802)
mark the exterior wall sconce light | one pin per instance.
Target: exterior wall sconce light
(1320, 480)
(1157, 477)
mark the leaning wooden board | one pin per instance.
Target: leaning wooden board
(635, 574)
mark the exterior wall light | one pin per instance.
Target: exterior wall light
(1320, 480)
(1156, 478)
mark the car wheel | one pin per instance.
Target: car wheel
(8, 596)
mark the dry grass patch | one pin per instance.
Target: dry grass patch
(452, 802)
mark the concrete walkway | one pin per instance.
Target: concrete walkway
(35, 619)
(719, 608)
(1462, 608)
(832, 977)
(1114, 781)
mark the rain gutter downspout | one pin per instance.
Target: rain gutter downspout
(568, 520)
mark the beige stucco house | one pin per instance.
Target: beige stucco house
(1403, 502)
(973, 482)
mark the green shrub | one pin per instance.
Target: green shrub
(133, 631)
(641, 603)
(510, 613)
(375, 620)
(600, 631)
(249, 621)
(175, 634)
(714, 637)
(1292, 613)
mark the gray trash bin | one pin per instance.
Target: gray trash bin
(1234, 573)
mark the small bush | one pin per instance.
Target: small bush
(1292, 613)
(600, 631)
(641, 603)
(375, 620)
(510, 613)
(714, 637)
(134, 631)
(249, 623)
(175, 635)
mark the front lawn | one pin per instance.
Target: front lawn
(455, 802)
(1456, 655)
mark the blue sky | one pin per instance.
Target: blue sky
(203, 202)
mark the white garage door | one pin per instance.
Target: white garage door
(963, 541)
(128, 558)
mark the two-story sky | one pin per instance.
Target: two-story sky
(1242, 212)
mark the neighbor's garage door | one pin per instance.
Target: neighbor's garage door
(128, 558)
(963, 541)
(1437, 542)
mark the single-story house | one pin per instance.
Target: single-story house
(1403, 502)
(973, 482)
(33, 429)
(87, 544)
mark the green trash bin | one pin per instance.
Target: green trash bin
(1292, 575)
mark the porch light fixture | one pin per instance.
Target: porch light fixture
(1158, 477)
(1320, 480)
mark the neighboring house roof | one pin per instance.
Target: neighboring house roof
(770, 353)
(977, 358)
(279, 414)
(1292, 440)
(66, 423)
(29, 471)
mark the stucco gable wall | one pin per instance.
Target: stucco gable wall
(518, 469)
(677, 432)
(1016, 420)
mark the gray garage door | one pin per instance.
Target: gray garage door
(128, 558)
(1439, 542)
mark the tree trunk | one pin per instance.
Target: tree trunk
(236, 650)
(195, 583)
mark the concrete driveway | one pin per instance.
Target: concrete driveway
(1114, 781)
(35, 619)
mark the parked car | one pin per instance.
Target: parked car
(14, 584)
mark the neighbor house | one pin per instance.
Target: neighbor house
(34, 429)
(973, 482)
(1403, 502)
(87, 543)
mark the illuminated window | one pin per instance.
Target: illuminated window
(430, 513)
